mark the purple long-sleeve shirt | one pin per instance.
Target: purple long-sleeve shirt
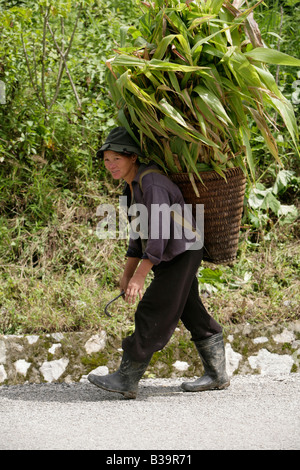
(166, 237)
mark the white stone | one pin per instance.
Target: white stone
(17, 347)
(22, 366)
(54, 347)
(101, 370)
(285, 337)
(271, 364)
(3, 374)
(52, 370)
(2, 352)
(247, 329)
(57, 336)
(32, 339)
(83, 379)
(96, 343)
(260, 339)
(232, 359)
(180, 365)
(68, 379)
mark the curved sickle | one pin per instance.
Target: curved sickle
(107, 305)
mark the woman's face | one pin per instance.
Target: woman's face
(120, 166)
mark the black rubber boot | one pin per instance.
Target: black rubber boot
(125, 380)
(212, 353)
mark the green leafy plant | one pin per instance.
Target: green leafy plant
(193, 80)
(52, 63)
(264, 202)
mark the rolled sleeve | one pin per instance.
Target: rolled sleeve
(134, 249)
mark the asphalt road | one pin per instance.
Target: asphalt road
(254, 413)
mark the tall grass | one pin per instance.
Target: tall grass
(69, 285)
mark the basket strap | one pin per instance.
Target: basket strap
(146, 172)
(179, 219)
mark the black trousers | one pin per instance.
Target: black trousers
(172, 296)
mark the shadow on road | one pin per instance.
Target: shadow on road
(79, 392)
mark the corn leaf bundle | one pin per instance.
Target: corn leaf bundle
(192, 80)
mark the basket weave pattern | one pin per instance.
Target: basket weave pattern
(223, 206)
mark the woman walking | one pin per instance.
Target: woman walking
(173, 292)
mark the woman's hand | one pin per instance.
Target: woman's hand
(124, 283)
(134, 288)
(137, 281)
(129, 270)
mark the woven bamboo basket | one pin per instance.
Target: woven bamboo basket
(223, 206)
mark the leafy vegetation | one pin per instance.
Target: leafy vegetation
(55, 274)
(193, 80)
